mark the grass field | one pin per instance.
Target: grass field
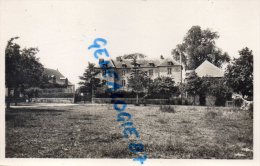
(85, 131)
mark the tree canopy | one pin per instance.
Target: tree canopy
(88, 79)
(203, 86)
(239, 74)
(162, 87)
(194, 84)
(22, 68)
(199, 45)
(138, 79)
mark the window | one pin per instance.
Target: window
(123, 82)
(104, 72)
(104, 82)
(170, 63)
(123, 72)
(151, 72)
(169, 70)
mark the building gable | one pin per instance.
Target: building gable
(59, 78)
(207, 69)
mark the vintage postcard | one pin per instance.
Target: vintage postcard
(129, 82)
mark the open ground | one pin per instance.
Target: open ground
(91, 131)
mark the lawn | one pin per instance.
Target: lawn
(89, 131)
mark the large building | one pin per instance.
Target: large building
(55, 77)
(153, 68)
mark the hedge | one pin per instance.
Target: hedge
(176, 101)
(55, 95)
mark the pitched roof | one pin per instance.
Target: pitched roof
(144, 62)
(60, 79)
(207, 69)
(165, 62)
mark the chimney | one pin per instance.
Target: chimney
(162, 57)
(101, 60)
(119, 58)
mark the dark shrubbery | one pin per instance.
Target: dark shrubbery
(124, 94)
(251, 111)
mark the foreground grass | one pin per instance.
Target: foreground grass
(92, 132)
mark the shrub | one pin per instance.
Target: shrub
(238, 102)
(125, 94)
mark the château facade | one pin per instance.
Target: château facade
(167, 67)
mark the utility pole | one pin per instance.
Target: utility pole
(181, 73)
(92, 87)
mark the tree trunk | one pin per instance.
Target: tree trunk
(8, 98)
(15, 96)
(137, 99)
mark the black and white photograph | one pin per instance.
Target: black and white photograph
(135, 82)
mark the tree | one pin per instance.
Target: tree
(239, 74)
(218, 88)
(138, 80)
(199, 45)
(162, 87)
(22, 68)
(89, 81)
(194, 85)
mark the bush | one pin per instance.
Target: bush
(251, 111)
(238, 102)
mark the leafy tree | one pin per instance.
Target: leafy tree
(194, 85)
(89, 80)
(138, 80)
(162, 87)
(208, 86)
(239, 74)
(199, 45)
(220, 90)
(22, 68)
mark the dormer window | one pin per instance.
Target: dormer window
(104, 65)
(151, 64)
(124, 65)
(170, 63)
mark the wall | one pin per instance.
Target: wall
(176, 72)
(53, 100)
(133, 101)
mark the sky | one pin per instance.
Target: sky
(62, 30)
